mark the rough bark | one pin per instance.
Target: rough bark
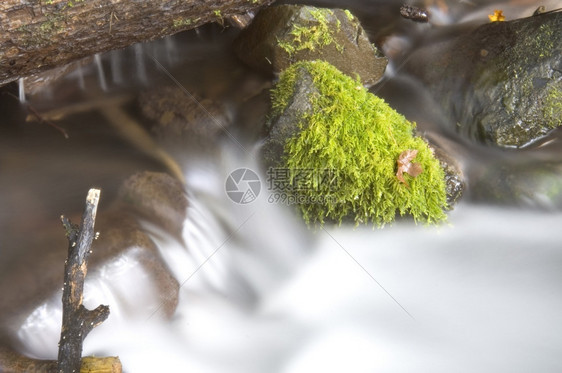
(36, 35)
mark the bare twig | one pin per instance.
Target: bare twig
(39, 117)
(47, 122)
(77, 321)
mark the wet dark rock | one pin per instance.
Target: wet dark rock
(157, 197)
(179, 116)
(282, 35)
(286, 126)
(253, 114)
(507, 75)
(530, 184)
(454, 177)
(414, 13)
(240, 21)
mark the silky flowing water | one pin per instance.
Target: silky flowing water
(260, 291)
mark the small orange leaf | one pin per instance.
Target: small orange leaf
(405, 165)
(497, 16)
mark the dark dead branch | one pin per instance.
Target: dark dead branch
(77, 321)
(37, 116)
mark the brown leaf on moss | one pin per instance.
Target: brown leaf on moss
(405, 165)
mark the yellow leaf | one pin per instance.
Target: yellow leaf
(497, 16)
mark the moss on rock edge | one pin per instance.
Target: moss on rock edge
(312, 37)
(360, 137)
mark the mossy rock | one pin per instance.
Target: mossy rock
(322, 120)
(282, 35)
(506, 76)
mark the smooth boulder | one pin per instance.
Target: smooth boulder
(500, 84)
(282, 35)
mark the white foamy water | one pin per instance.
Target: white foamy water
(262, 294)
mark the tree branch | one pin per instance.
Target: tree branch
(77, 321)
(41, 34)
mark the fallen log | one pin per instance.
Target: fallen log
(37, 35)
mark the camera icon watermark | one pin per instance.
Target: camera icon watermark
(243, 186)
(286, 186)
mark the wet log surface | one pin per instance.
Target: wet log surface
(36, 35)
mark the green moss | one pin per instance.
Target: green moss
(71, 3)
(40, 34)
(552, 108)
(349, 15)
(48, 27)
(180, 23)
(218, 14)
(316, 33)
(359, 136)
(545, 41)
(55, 21)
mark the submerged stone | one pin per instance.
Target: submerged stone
(180, 117)
(284, 34)
(340, 145)
(157, 197)
(534, 184)
(122, 239)
(123, 245)
(508, 76)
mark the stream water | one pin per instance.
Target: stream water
(261, 292)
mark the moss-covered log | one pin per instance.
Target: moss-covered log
(36, 35)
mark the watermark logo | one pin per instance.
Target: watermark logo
(286, 186)
(243, 186)
(303, 180)
(302, 186)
